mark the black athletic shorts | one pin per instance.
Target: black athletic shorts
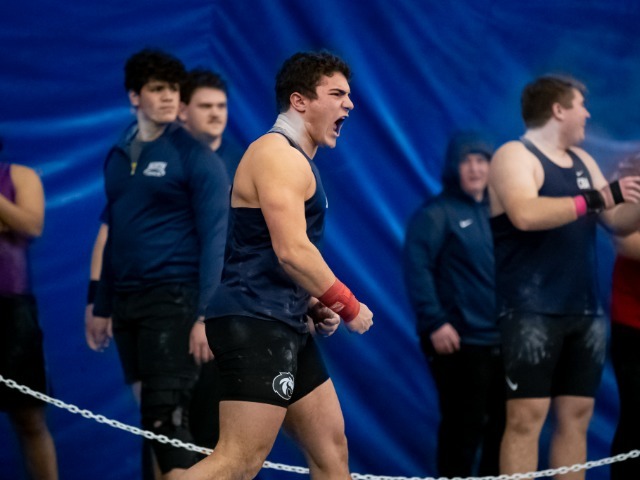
(21, 353)
(551, 355)
(151, 329)
(264, 361)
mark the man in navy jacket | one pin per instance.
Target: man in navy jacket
(167, 206)
(449, 270)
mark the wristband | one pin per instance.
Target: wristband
(581, 205)
(594, 199)
(340, 299)
(91, 292)
(616, 192)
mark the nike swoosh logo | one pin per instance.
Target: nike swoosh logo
(579, 172)
(465, 223)
(512, 386)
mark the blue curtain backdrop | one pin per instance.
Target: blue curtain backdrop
(422, 69)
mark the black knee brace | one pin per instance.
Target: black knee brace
(165, 412)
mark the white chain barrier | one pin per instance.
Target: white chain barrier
(305, 471)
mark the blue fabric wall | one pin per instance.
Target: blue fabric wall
(421, 70)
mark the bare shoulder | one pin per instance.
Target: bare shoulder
(22, 171)
(272, 154)
(29, 192)
(267, 145)
(269, 166)
(512, 152)
(515, 174)
(585, 157)
(513, 160)
(596, 174)
(24, 176)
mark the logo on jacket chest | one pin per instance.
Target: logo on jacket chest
(465, 223)
(156, 169)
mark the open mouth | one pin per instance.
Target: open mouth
(338, 125)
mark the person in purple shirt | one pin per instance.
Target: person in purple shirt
(21, 353)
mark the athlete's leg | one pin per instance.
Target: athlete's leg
(576, 380)
(257, 362)
(150, 468)
(163, 321)
(164, 406)
(247, 433)
(569, 441)
(35, 441)
(532, 345)
(519, 447)
(316, 423)
(22, 359)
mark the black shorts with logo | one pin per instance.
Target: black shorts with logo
(264, 361)
(21, 353)
(551, 355)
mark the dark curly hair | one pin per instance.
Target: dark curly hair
(151, 64)
(539, 96)
(302, 72)
(200, 78)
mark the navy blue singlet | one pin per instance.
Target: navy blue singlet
(253, 282)
(553, 271)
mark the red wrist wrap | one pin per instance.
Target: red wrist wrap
(340, 299)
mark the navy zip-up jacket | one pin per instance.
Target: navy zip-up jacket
(167, 217)
(448, 258)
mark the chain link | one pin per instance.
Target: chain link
(301, 470)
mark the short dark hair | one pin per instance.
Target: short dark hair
(539, 96)
(201, 78)
(302, 72)
(152, 64)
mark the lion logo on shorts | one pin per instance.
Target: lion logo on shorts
(283, 385)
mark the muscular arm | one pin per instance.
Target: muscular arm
(516, 176)
(283, 181)
(514, 180)
(629, 246)
(623, 219)
(278, 179)
(26, 215)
